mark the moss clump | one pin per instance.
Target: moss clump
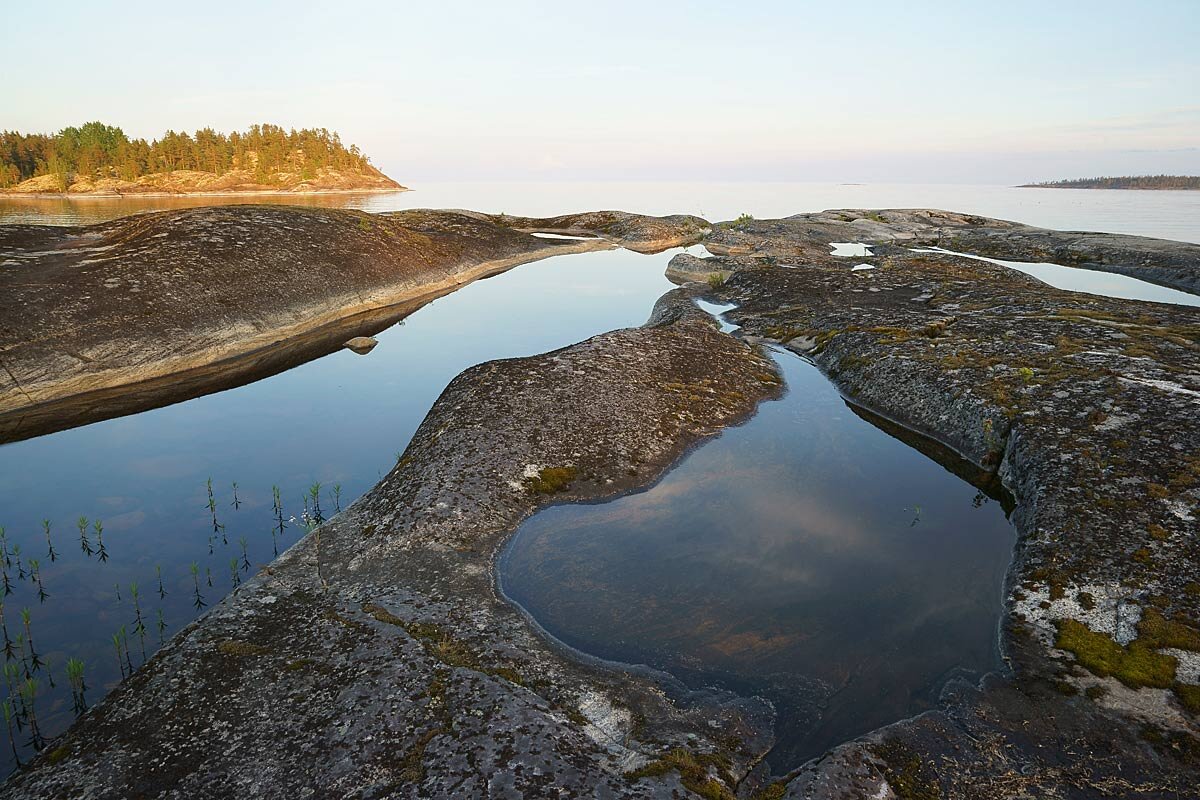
(772, 791)
(1086, 600)
(236, 647)
(1157, 631)
(716, 280)
(552, 480)
(1189, 697)
(1135, 666)
(694, 773)
(58, 754)
(905, 771)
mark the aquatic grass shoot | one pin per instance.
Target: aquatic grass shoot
(101, 553)
(197, 598)
(139, 626)
(51, 553)
(35, 661)
(85, 544)
(78, 685)
(35, 572)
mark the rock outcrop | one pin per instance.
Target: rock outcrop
(1167, 263)
(375, 659)
(637, 232)
(107, 319)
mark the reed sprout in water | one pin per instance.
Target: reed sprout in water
(28, 693)
(162, 593)
(197, 598)
(212, 510)
(35, 572)
(7, 709)
(101, 553)
(9, 651)
(237, 503)
(78, 685)
(235, 574)
(85, 544)
(34, 660)
(245, 555)
(51, 553)
(139, 626)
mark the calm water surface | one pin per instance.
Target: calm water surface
(827, 563)
(806, 556)
(1167, 215)
(339, 420)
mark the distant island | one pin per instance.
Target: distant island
(98, 159)
(1160, 182)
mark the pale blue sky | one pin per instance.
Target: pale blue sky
(865, 91)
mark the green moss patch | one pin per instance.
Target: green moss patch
(694, 772)
(905, 771)
(1158, 631)
(236, 647)
(1135, 665)
(552, 480)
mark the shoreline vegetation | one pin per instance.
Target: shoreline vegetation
(1138, 182)
(98, 160)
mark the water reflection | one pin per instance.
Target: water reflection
(807, 556)
(1078, 279)
(338, 420)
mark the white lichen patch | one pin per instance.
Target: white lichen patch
(1152, 705)
(1188, 670)
(1114, 614)
(609, 726)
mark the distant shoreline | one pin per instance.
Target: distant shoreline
(1113, 188)
(137, 195)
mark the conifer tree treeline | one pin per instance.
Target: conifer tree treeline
(96, 150)
(1125, 182)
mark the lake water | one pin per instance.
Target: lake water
(825, 493)
(806, 556)
(1167, 215)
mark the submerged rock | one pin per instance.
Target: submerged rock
(361, 344)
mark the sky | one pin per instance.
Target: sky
(909, 92)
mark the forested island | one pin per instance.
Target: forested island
(100, 159)
(1160, 182)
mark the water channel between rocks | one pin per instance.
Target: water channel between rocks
(806, 556)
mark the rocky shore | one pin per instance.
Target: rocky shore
(375, 658)
(1085, 407)
(107, 319)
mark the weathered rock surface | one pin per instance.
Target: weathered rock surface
(1086, 407)
(637, 232)
(120, 316)
(374, 658)
(1167, 263)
